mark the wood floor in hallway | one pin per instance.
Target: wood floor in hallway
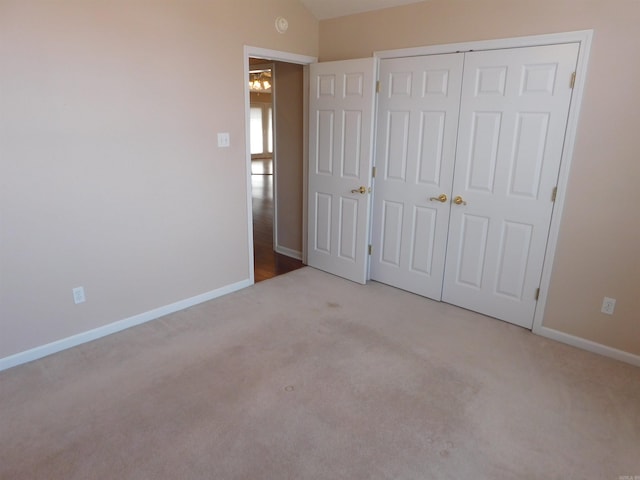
(267, 263)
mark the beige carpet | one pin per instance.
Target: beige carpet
(308, 376)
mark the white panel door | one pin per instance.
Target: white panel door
(417, 126)
(513, 116)
(340, 160)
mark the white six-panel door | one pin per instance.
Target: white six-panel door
(485, 129)
(514, 110)
(415, 147)
(341, 103)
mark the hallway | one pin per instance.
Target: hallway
(267, 263)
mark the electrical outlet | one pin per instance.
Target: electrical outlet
(78, 295)
(608, 305)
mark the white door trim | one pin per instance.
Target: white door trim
(584, 38)
(273, 55)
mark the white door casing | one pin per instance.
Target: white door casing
(514, 110)
(341, 103)
(271, 55)
(416, 133)
(537, 132)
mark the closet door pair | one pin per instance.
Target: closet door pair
(468, 150)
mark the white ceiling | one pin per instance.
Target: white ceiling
(323, 9)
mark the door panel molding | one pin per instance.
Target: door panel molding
(534, 83)
(341, 108)
(417, 127)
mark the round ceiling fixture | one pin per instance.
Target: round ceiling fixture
(282, 24)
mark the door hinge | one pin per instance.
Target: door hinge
(373, 172)
(537, 293)
(554, 194)
(378, 86)
(572, 83)
(370, 249)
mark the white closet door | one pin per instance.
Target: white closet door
(340, 160)
(514, 109)
(415, 146)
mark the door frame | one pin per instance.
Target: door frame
(584, 38)
(271, 56)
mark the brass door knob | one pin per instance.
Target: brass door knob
(459, 200)
(361, 190)
(441, 198)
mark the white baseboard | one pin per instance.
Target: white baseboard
(96, 333)
(589, 345)
(289, 252)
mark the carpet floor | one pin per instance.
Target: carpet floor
(308, 376)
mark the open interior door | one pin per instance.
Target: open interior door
(341, 122)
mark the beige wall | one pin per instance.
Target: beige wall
(289, 154)
(599, 246)
(110, 176)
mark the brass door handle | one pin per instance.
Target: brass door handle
(459, 200)
(361, 190)
(442, 198)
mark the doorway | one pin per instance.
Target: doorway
(276, 145)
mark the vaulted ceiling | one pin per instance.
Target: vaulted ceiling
(323, 9)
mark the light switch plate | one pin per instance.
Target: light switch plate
(223, 140)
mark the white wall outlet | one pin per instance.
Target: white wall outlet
(224, 140)
(608, 305)
(78, 295)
